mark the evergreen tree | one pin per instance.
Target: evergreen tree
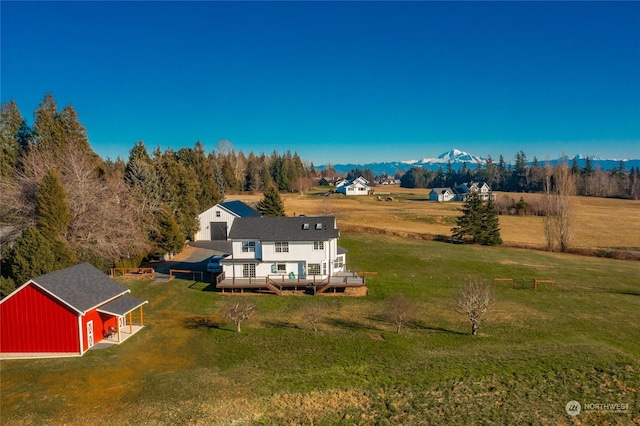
(11, 122)
(271, 204)
(469, 229)
(478, 222)
(490, 224)
(52, 210)
(30, 256)
(168, 238)
(53, 217)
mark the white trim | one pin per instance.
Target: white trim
(80, 339)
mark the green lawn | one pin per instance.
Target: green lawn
(540, 350)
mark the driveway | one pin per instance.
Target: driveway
(195, 256)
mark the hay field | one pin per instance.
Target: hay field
(598, 222)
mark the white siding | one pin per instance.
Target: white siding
(296, 260)
(205, 218)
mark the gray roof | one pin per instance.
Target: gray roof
(82, 286)
(307, 228)
(240, 209)
(122, 305)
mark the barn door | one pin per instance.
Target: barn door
(218, 231)
(90, 340)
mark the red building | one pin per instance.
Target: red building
(66, 312)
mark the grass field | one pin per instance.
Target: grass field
(598, 222)
(540, 350)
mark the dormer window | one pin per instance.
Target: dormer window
(318, 226)
(305, 226)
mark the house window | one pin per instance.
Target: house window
(282, 247)
(313, 269)
(318, 245)
(281, 268)
(249, 247)
(217, 213)
(249, 270)
(338, 263)
(324, 268)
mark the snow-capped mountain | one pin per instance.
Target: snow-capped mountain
(458, 157)
(454, 156)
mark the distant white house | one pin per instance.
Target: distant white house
(460, 192)
(442, 194)
(358, 186)
(216, 222)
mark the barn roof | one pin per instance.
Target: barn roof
(82, 287)
(122, 305)
(305, 228)
(239, 208)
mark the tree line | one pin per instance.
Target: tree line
(60, 203)
(521, 177)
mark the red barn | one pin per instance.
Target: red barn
(66, 312)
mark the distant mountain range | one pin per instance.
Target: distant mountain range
(457, 158)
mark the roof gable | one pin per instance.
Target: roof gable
(82, 286)
(307, 228)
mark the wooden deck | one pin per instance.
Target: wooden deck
(276, 284)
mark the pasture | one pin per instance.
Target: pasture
(598, 223)
(540, 349)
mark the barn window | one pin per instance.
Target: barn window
(217, 213)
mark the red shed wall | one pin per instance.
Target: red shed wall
(101, 323)
(33, 321)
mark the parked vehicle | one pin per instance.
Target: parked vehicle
(214, 263)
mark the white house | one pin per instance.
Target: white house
(442, 194)
(216, 222)
(358, 186)
(293, 247)
(481, 188)
(460, 192)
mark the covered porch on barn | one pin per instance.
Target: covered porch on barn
(123, 309)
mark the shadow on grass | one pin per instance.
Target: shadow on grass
(194, 323)
(350, 324)
(419, 325)
(414, 325)
(279, 324)
(627, 292)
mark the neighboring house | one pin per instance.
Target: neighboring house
(358, 186)
(216, 222)
(293, 247)
(65, 313)
(460, 192)
(481, 188)
(442, 194)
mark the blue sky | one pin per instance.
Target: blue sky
(336, 82)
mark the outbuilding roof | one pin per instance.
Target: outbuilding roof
(239, 208)
(122, 305)
(306, 228)
(82, 286)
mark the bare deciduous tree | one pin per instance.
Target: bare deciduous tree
(400, 309)
(474, 299)
(237, 312)
(559, 186)
(314, 315)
